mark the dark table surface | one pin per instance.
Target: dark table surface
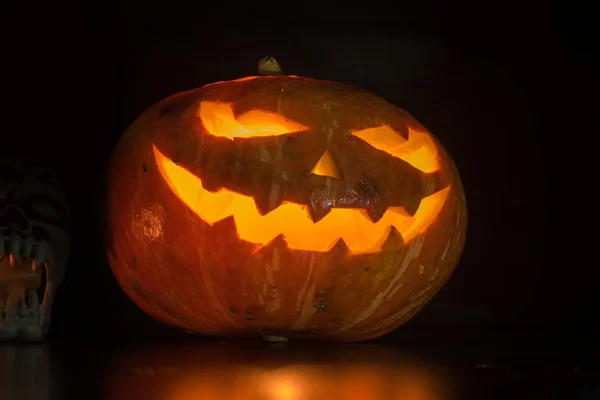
(421, 364)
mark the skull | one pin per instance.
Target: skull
(34, 248)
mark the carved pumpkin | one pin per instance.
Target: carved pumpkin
(282, 206)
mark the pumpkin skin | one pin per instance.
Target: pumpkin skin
(266, 206)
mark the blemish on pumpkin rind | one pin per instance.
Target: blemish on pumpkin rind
(147, 224)
(320, 301)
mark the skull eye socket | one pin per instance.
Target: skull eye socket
(46, 210)
(218, 120)
(12, 216)
(419, 150)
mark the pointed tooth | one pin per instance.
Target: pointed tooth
(22, 305)
(411, 205)
(36, 267)
(27, 247)
(375, 211)
(317, 213)
(320, 203)
(268, 200)
(433, 183)
(49, 256)
(395, 240)
(40, 256)
(15, 250)
(340, 247)
(49, 294)
(9, 307)
(413, 192)
(34, 301)
(218, 168)
(368, 196)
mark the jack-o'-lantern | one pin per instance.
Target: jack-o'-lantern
(282, 206)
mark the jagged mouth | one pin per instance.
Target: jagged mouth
(360, 233)
(19, 281)
(23, 283)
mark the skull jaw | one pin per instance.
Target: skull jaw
(34, 248)
(21, 315)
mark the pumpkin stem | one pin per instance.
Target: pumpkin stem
(269, 66)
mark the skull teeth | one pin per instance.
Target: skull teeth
(26, 321)
(15, 250)
(34, 301)
(9, 307)
(18, 249)
(20, 317)
(27, 247)
(22, 306)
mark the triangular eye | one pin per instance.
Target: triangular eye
(218, 119)
(419, 150)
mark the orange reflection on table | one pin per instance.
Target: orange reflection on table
(214, 372)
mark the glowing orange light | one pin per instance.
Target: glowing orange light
(360, 234)
(282, 389)
(17, 280)
(218, 119)
(419, 150)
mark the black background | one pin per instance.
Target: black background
(486, 81)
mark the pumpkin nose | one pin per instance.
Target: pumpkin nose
(326, 166)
